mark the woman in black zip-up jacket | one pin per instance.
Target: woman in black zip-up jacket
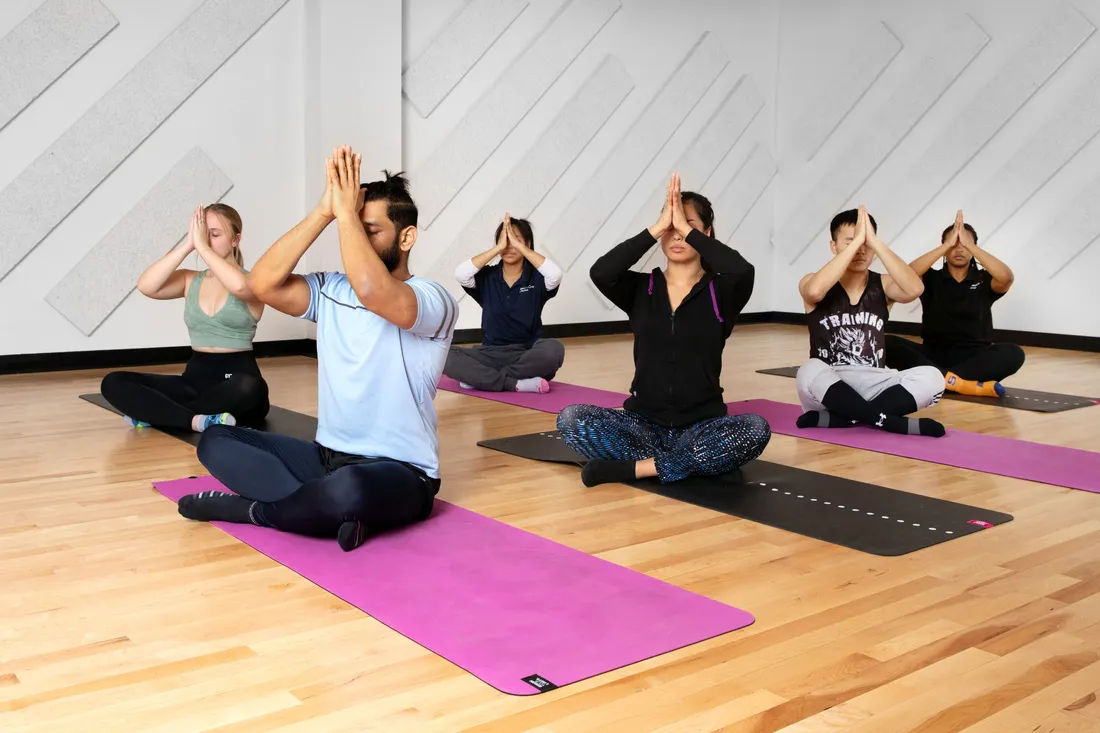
(675, 423)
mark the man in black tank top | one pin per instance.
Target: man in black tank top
(845, 381)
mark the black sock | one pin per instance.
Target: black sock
(599, 471)
(896, 400)
(351, 535)
(843, 400)
(217, 506)
(823, 419)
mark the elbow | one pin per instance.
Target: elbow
(366, 292)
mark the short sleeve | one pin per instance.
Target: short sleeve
(315, 281)
(987, 286)
(436, 310)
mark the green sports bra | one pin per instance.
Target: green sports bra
(232, 327)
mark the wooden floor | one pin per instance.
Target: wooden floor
(118, 615)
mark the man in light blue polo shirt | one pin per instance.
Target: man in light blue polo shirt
(382, 339)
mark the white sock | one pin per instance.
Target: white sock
(464, 385)
(534, 384)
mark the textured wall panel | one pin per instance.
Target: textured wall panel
(736, 200)
(92, 290)
(1062, 32)
(864, 62)
(706, 151)
(452, 53)
(617, 173)
(533, 177)
(1073, 230)
(43, 47)
(445, 171)
(1072, 125)
(881, 132)
(35, 202)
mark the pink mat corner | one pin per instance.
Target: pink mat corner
(560, 396)
(495, 600)
(1048, 464)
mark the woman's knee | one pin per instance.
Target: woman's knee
(926, 385)
(811, 374)
(556, 351)
(1014, 357)
(217, 446)
(572, 417)
(112, 383)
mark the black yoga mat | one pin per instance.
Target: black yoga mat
(280, 421)
(861, 516)
(1014, 399)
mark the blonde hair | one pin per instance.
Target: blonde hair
(230, 216)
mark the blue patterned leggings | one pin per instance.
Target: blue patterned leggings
(707, 448)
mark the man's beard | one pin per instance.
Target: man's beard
(391, 257)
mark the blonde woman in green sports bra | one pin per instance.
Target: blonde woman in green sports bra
(221, 384)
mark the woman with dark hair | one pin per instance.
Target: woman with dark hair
(675, 423)
(221, 384)
(957, 320)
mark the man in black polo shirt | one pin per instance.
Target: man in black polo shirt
(513, 356)
(957, 321)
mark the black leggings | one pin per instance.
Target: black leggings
(307, 489)
(979, 363)
(210, 385)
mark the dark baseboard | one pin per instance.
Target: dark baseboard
(122, 358)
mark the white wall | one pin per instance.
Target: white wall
(304, 82)
(818, 37)
(799, 52)
(650, 38)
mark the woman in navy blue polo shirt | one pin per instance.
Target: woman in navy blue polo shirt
(957, 321)
(513, 356)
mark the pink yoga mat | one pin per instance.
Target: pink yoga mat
(520, 612)
(1047, 464)
(560, 396)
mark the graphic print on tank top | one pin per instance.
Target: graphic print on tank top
(842, 334)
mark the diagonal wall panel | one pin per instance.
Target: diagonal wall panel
(34, 203)
(617, 173)
(1061, 34)
(443, 173)
(862, 69)
(533, 177)
(713, 143)
(38, 51)
(1073, 230)
(92, 290)
(1072, 126)
(736, 200)
(884, 129)
(461, 43)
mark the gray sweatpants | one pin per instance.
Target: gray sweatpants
(498, 368)
(815, 377)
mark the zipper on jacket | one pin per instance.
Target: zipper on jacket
(672, 409)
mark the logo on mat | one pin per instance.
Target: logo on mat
(539, 683)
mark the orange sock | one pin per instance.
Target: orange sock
(955, 383)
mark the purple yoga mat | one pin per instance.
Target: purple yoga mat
(512, 608)
(560, 396)
(1047, 464)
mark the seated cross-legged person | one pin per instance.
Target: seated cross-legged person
(675, 423)
(957, 317)
(846, 381)
(513, 356)
(382, 338)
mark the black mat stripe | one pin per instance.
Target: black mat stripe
(279, 421)
(1014, 399)
(852, 514)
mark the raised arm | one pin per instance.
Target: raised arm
(228, 273)
(467, 270)
(378, 290)
(163, 280)
(901, 284)
(1000, 272)
(924, 263)
(815, 286)
(549, 269)
(272, 279)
